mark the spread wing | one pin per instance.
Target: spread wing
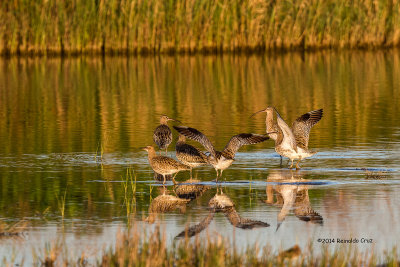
(302, 126)
(288, 136)
(239, 140)
(196, 135)
(239, 222)
(195, 229)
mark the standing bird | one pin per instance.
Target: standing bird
(189, 155)
(291, 142)
(164, 165)
(221, 160)
(162, 134)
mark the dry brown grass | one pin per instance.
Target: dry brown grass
(135, 26)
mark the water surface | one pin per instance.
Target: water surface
(74, 128)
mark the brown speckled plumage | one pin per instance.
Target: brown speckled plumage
(190, 190)
(239, 222)
(220, 202)
(162, 135)
(189, 155)
(164, 165)
(221, 160)
(198, 228)
(160, 177)
(165, 203)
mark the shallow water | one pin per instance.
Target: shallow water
(74, 127)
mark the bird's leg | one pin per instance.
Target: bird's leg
(297, 165)
(280, 165)
(164, 179)
(166, 152)
(173, 178)
(291, 166)
(221, 174)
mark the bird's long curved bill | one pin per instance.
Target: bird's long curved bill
(175, 120)
(263, 110)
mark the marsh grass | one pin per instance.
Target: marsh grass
(135, 247)
(130, 192)
(177, 26)
(99, 153)
(61, 203)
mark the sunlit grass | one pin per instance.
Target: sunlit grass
(135, 247)
(61, 203)
(134, 26)
(130, 192)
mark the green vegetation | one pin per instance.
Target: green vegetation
(136, 26)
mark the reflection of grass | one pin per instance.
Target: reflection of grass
(99, 153)
(135, 247)
(130, 192)
(61, 203)
(12, 230)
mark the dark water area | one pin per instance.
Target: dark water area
(71, 132)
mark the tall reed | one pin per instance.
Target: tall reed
(175, 26)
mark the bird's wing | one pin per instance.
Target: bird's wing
(239, 222)
(288, 136)
(195, 229)
(196, 135)
(302, 125)
(192, 153)
(239, 140)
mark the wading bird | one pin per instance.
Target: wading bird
(162, 134)
(164, 165)
(189, 155)
(291, 142)
(221, 160)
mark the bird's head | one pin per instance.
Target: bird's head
(267, 110)
(164, 119)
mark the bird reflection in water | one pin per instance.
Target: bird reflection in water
(221, 203)
(165, 203)
(190, 189)
(291, 193)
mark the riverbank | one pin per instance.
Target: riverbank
(152, 27)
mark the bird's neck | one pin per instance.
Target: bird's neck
(152, 154)
(271, 126)
(163, 121)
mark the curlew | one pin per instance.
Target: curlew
(164, 165)
(221, 160)
(162, 134)
(291, 142)
(189, 155)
